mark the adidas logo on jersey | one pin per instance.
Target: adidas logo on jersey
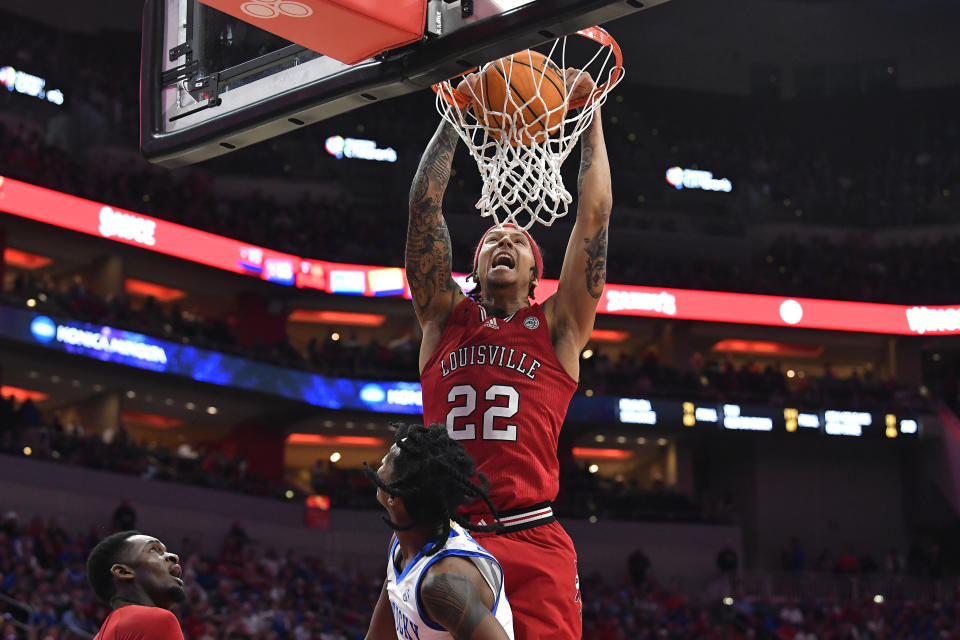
(491, 323)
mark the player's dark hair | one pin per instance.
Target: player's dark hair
(107, 553)
(433, 474)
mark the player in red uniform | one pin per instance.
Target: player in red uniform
(140, 580)
(500, 371)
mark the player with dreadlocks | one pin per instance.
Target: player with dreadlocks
(440, 583)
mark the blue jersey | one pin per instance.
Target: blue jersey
(403, 587)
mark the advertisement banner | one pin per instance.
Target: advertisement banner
(93, 218)
(109, 344)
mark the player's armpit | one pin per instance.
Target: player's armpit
(381, 623)
(453, 602)
(429, 251)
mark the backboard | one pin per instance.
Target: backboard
(211, 83)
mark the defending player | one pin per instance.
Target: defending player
(440, 583)
(140, 580)
(500, 372)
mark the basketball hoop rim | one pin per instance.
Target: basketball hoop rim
(598, 34)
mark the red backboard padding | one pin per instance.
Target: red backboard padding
(345, 30)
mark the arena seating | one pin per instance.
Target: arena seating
(809, 161)
(242, 591)
(393, 357)
(835, 164)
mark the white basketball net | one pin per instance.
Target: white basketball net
(519, 163)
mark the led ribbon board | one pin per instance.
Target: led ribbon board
(672, 414)
(97, 219)
(132, 349)
(93, 218)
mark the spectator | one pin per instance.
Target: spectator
(75, 620)
(793, 558)
(637, 566)
(124, 517)
(10, 525)
(235, 542)
(894, 562)
(847, 562)
(293, 596)
(727, 561)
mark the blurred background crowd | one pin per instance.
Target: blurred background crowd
(848, 194)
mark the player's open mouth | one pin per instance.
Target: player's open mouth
(176, 571)
(503, 260)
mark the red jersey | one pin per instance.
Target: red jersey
(500, 389)
(135, 622)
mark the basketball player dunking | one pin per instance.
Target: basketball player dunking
(500, 371)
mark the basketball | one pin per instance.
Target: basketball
(533, 105)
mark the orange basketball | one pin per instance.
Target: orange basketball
(533, 105)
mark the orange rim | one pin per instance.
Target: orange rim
(450, 94)
(599, 35)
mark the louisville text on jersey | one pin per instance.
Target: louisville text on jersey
(489, 355)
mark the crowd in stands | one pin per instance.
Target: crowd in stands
(853, 268)
(73, 299)
(585, 495)
(99, 85)
(924, 557)
(836, 162)
(832, 161)
(723, 381)
(395, 358)
(626, 611)
(241, 591)
(23, 427)
(337, 226)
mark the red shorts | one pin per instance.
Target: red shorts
(542, 585)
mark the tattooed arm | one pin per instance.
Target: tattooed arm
(457, 598)
(571, 310)
(428, 253)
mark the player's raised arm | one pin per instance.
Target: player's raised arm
(429, 253)
(571, 311)
(454, 595)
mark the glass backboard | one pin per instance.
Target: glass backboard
(212, 83)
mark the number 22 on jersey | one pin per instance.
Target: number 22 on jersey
(463, 397)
